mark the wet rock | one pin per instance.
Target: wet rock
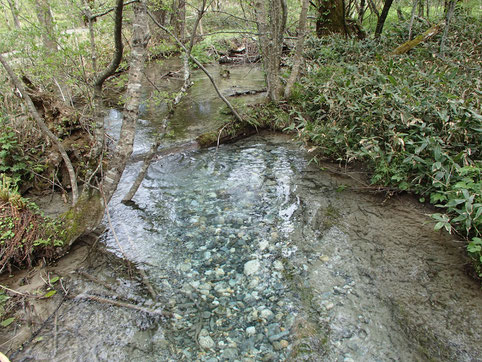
(185, 267)
(251, 331)
(251, 267)
(267, 314)
(278, 265)
(205, 340)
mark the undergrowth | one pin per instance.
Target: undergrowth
(25, 235)
(415, 120)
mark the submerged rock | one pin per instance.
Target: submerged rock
(251, 267)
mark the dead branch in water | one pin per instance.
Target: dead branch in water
(117, 303)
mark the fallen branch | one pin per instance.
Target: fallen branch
(117, 303)
(409, 45)
(247, 92)
(95, 280)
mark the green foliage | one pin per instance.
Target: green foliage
(13, 162)
(415, 120)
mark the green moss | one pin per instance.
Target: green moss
(83, 217)
(207, 139)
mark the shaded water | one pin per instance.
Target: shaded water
(259, 257)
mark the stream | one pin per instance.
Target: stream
(260, 255)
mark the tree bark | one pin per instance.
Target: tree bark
(448, 18)
(382, 18)
(178, 18)
(271, 19)
(125, 144)
(45, 18)
(412, 17)
(14, 10)
(45, 130)
(298, 59)
(331, 17)
(100, 79)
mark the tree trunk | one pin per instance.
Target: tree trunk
(124, 146)
(100, 79)
(187, 83)
(448, 18)
(299, 48)
(331, 17)
(13, 9)
(412, 17)
(382, 18)
(178, 18)
(271, 21)
(45, 18)
(361, 11)
(87, 11)
(43, 127)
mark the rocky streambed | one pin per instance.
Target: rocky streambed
(255, 254)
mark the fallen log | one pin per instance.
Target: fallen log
(245, 93)
(409, 45)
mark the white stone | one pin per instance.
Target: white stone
(219, 272)
(205, 341)
(251, 331)
(263, 245)
(251, 267)
(278, 265)
(266, 314)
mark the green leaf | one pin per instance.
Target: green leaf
(49, 294)
(54, 280)
(7, 322)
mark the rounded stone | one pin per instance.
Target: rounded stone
(266, 314)
(205, 340)
(278, 265)
(251, 331)
(251, 267)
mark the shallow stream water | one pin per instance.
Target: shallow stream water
(260, 255)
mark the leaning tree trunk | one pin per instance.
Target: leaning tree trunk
(124, 147)
(298, 59)
(44, 129)
(382, 18)
(271, 21)
(331, 17)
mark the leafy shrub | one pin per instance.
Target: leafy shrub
(415, 120)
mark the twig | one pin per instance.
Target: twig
(219, 135)
(95, 280)
(19, 293)
(117, 303)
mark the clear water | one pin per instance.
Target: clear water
(199, 219)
